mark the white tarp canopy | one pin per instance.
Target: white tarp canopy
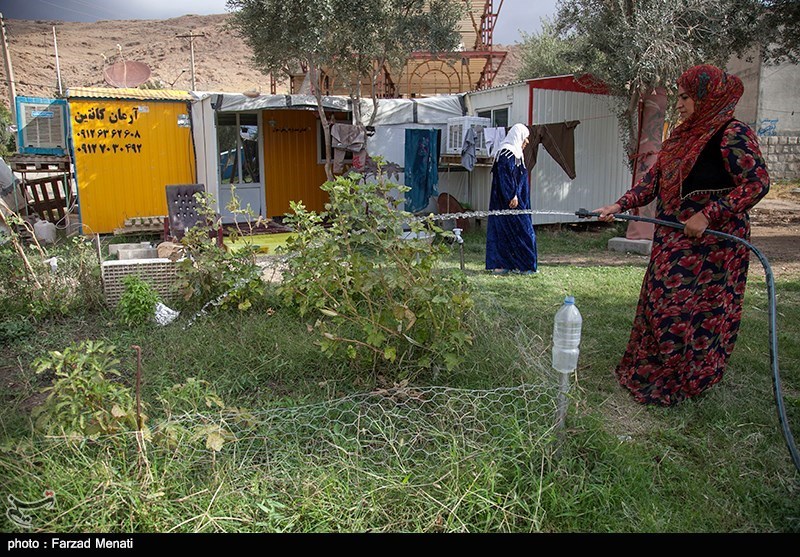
(239, 102)
(428, 110)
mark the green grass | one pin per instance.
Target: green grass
(714, 464)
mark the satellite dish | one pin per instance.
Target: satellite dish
(127, 74)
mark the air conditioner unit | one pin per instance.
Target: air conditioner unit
(457, 130)
(41, 126)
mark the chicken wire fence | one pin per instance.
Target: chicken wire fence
(399, 459)
(410, 427)
(400, 428)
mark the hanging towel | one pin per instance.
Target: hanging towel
(347, 137)
(558, 140)
(493, 137)
(468, 149)
(344, 138)
(421, 168)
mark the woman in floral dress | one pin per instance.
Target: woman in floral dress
(709, 173)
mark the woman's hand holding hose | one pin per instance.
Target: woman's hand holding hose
(606, 214)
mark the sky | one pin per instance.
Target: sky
(515, 15)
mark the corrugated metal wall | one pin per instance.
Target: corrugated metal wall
(602, 174)
(291, 167)
(126, 152)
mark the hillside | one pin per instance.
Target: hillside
(222, 59)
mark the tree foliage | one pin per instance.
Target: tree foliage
(350, 41)
(634, 46)
(546, 53)
(781, 31)
(7, 137)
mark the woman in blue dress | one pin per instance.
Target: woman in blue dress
(510, 239)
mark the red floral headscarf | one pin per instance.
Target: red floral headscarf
(715, 94)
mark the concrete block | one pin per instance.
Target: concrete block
(140, 252)
(114, 248)
(794, 140)
(625, 245)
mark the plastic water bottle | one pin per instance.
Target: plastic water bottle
(567, 336)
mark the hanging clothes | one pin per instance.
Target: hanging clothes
(558, 140)
(421, 167)
(344, 138)
(493, 138)
(468, 149)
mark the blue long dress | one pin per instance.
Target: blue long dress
(510, 239)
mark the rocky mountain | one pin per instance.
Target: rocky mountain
(85, 50)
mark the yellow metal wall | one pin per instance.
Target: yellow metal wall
(290, 161)
(126, 152)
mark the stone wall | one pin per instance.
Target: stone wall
(782, 153)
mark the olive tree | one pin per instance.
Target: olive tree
(781, 31)
(546, 53)
(634, 46)
(354, 41)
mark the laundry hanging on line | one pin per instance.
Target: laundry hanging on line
(558, 140)
(493, 138)
(348, 138)
(421, 167)
(468, 154)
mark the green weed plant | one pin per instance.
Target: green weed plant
(370, 292)
(211, 272)
(137, 305)
(86, 398)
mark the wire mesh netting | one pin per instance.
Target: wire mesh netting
(398, 428)
(397, 459)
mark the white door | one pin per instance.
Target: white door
(240, 167)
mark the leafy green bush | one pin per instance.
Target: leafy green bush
(15, 329)
(212, 273)
(371, 292)
(137, 305)
(84, 398)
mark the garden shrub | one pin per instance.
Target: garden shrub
(371, 293)
(212, 273)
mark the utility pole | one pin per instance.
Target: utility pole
(191, 37)
(12, 92)
(58, 66)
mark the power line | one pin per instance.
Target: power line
(65, 8)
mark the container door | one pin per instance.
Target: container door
(241, 189)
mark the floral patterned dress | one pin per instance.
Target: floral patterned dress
(690, 304)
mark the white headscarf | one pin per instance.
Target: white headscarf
(513, 141)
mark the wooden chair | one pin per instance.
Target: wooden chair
(449, 204)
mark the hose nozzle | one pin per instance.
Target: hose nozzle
(585, 214)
